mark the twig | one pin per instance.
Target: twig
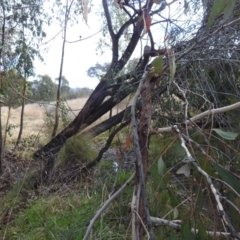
(232, 204)
(230, 187)
(52, 38)
(214, 191)
(82, 39)
(204, 114)
(106, 204)
(172, 224)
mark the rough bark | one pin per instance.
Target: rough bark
(109, 123)
(141, 214)
(143, 134)
(1, 50)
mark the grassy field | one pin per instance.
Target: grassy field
(35, 119)
(61, 210)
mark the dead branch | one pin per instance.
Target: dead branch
(214, 191)
(174, 225)
(203, 115)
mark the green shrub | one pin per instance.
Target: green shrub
(77, 149)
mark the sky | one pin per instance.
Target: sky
(79, 56)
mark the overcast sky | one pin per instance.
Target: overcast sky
(79, 56)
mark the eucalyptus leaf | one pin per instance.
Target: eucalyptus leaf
(157, 64)
(225, 135)
(175, 200)
(229, 9)
(155, 176)
(161, 166)
(200, 201)
(227, 177)
(201, 231)
(172, 67)
(186, 231)
(217, 8)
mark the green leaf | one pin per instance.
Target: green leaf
(225, 135)
(174, 198)
(229, 9)
(157, 64)
(200, 201)
(164, 197)
(227, 177)
(155, 176)
(161, 166)
(217, 8)
(172, 67)
(201, 231)
(186, 231)
(205, 165)
(164, 182)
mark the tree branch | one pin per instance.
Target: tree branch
(108, 18)
(105, 148)
(214, 191)
(107, 124)
(114, 38)
(207, 113)
(174, 225)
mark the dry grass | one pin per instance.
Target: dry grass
(35, 119)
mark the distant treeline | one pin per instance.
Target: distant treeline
(41, 89)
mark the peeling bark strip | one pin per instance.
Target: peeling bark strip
(140, 138)
(143, 134)
(144, 122)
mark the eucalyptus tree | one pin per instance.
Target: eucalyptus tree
(65, 89)
(44, 89)
(21, 33)
(12, 88)
(186, 87)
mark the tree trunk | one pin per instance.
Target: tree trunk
(143, 134)
(22, 113)
(55, 128)
(1, 50)
(1, 142)
(6, 128)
